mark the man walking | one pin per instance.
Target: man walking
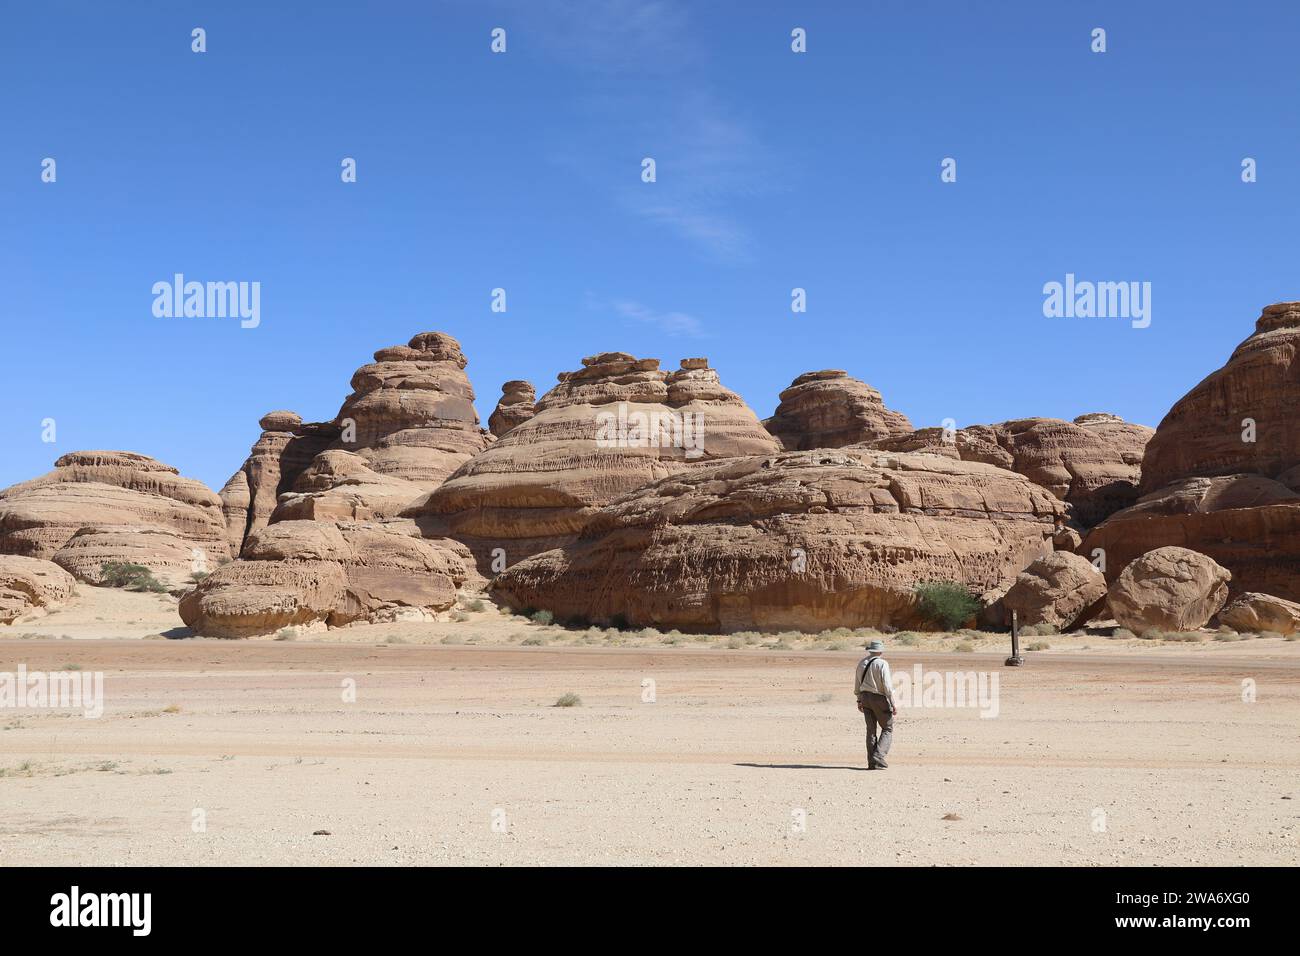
(876, 701)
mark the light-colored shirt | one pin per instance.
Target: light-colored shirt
(872, 677)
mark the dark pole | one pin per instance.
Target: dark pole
(1015, 660)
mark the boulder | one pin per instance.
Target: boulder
(30, 586)
(830, 409)
(794, 540)
(516, 406)
(1169, 589)
(296, 573)
(146, 505)
(1060, 589)
(1253, 612)
(604, 430)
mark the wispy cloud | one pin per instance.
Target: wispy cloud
(708, 157)
(671, 324)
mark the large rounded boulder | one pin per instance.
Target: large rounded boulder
(1060, 589)
(1168, 589)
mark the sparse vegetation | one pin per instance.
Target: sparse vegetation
(478, 604)
(1039, 646)
(907, 639)
(569, 700)
(286, 634)
(459, 616)
(947, 603)
(132, 577)
(542, 617)
(534, 641)
(1122, 634)
(965, 647)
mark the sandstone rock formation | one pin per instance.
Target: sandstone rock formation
(793, 540)
(516, 406)
(1207, 487)
(30, 586)
(1169, 589)
(1060, 589)
(106, 506)
(1094, 462)
(606, 429)
(296, 573)
(171, 559)
(407, 425)
(284, 449)
(829, 409)
(1204, 434)
(1261, 612)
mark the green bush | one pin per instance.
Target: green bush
(947, 603)
(133, 577)
(542, 617)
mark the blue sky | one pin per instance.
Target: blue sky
(523, 171)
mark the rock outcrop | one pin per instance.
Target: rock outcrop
(614, 425)
(1208, 432)
(830, 409)
(1222, 474)
(1261, 612)
(1168, 589)
(1093, 462)
(1060, 589)
(516, 406)
(407, 425)
(793, 540)
(30, 586)
(114, 506)
(282, 452)
(305, 573)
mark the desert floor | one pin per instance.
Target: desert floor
(453, 751)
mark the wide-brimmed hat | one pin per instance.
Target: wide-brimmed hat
(875, 647)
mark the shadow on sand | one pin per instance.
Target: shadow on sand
(797, 766)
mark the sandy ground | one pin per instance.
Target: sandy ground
(219, 752)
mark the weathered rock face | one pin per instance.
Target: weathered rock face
(612, 426)
(1247, 523)
(1207, 489)
(413, 409)
(297, 573)
(1094, 462)
(283, 451)
(1261, 612)
(795, 540)
(516, 406)
(1060, 589)
(132, 508)
(829, 409)
(171, 559)
(339, 485)
(1169, 589)
(30, 586)
(407, 425)
(1202, 436)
